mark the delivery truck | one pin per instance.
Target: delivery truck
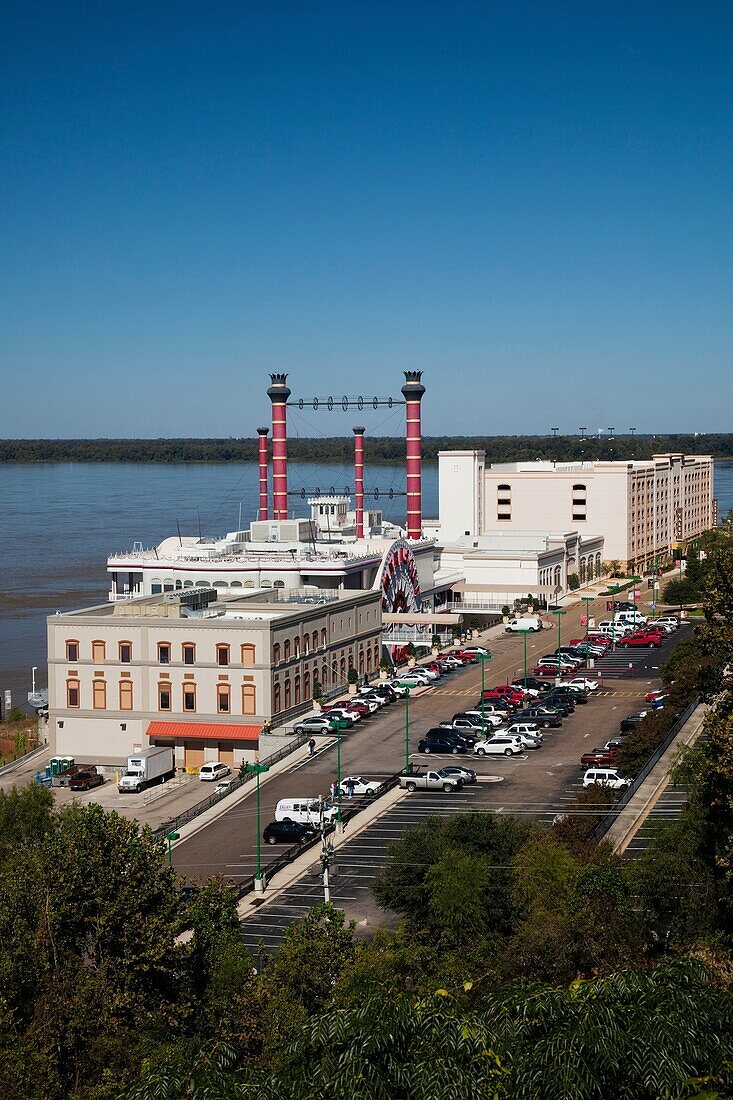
(145, 768)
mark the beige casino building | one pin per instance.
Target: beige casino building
(200, 672)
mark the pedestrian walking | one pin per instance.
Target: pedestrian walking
(350, 788)
(334, 790)
(312, 747)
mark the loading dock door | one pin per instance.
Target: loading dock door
(193, 754)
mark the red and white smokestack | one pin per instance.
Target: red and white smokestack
(263, 510)
(279, 394)
(413, 391)
(359, 480)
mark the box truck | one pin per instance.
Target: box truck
(145, 768)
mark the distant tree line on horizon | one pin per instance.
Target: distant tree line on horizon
(379, 450)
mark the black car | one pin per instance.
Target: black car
(286, 832)
(533, 682)
(573, 697)
(631, 721)
(442, 740)
(542, 716)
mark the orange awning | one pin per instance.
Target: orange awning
(204, 731)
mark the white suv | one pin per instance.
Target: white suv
(608, 777)
(498, 746)
(214, 770)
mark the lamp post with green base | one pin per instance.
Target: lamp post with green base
(256, 770)
(170, 837)
(524, 634)
(587, 600)
(635, 580)
(484, 658)
(407, 728)
(559, 613)
(613, 589)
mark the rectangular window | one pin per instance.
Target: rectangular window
(164, 697)
(99, 694)
(222, 699)
(125, 694)
(72, 693)
(72, 651)
(125, 652)
(503, 515)
(189, 697)
(248, 656)
(222, 655)
(189, 653)
(98, 652)
(164, 653)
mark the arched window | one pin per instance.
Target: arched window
(287, 649)
(222, 654)
(72, 650)
(188, 584)
(236, 584)
(202, 584)
(248, 655)
(307, 685)
(249, 700)
(306, 645)
(279, 584)
(297, 690)
(276, 653)
(189, 697)
(99, 650)
(168, 585)
(125, 652)
(324, 674)
(223, 699)
(579, 502)
(323, 638)
(504, 502)
(179, 584)
(220, 584)
(72, 694)
(342, 667)
(99, 694)
(276, 699)
(296, 647)
(361, 662)
(164, 695)
(288, 694)
(125, 694)
(315, 639)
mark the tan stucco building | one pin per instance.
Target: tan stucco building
(197, 672)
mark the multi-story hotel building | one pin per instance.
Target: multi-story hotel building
(642, 509)
(197, 672)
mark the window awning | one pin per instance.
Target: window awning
(204, 731)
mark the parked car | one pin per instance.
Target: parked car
(614, 743)
(451, 660)
(286, 832)
(523, 729)
(223, 786)
(86, 778)
(475, 650)
(472, 720)
(351, 717)
(652, 695)
(492, 707)
(468, 775)
(525, 622)
(441, 740)
(631, 721)
(585, 683)
(375, 697)
(359, 706)
(214, 770)
(319, 723)
(384, 689)
(501, 745)
(668, 620)
(467, 656)
(500, 699)
(361, 786)
(607, 777)
(571, 695)
(431, 781)
(541, 716)
(398, 687)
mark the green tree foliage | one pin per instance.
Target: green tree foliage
(418, 880)
(26, 817)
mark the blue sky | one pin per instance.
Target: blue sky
(529, 201)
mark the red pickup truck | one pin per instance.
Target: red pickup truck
(645, 640)
(601, 758)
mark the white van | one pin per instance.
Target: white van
(613, 629)
(306, 811)
(526, 622)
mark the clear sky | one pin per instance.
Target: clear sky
(529, 201)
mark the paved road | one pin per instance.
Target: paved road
(541, 783)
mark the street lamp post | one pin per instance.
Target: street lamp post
(339, 823)
(170, 837)
(483, 658)
(407, 728)
(635, 580)
(558, 612)
(587, 600)
(256, 770)
(524, 634)
(613, 589)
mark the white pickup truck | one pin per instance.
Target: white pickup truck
(430, 781)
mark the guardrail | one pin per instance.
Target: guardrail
(175, 823)
(13, 764)
(608, 820)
